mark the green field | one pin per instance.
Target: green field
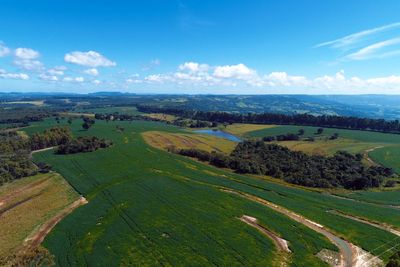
(143, 202)
(388, 156)
(144, 209)
(103, 110)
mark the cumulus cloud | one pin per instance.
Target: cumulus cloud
(88, 59)
(74, 79)
(46, 77)
(26, 53)
(4, 50)
(97, 82)
(193, 67)
(57, 71)
(92, 72)
(26, 59)
(239, 71)
(17, 76)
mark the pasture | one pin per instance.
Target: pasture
(143, 202)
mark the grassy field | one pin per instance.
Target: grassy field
(150, 207)
(385, 197)
(208, 143)
(27, 203)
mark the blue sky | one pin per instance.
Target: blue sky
(242, 47)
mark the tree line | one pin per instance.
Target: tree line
(331, 121)
(256, 157)
(15, 150)
(83, 144)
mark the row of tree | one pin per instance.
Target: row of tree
(256, 157)
(272, 118)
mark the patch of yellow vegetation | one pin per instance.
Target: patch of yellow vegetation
(36, 102)
(27, 203)
(243, 128)
(210, 143)
(161, 116)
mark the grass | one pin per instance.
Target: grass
(27, 203)
(149, 207)
(385, 197)
(208, 143)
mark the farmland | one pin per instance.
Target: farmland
(134, 188)
(46, 194)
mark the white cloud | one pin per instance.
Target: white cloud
(239, 71)
(46, 77)
(74, 79)
(96, 82)
(152, 64)
(88, 59)
(58, 71)
(283, 79)
(18, 76)
(28, 64)
(4, 50)
(372, 51)
(130, 80)
(356, 37)
(93, 72)
(193, 67)
(26, 53)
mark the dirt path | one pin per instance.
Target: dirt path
(366, 155)
(41, 150)
(347, 255)
(280, 243)
(36, 238)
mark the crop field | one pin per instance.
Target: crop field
(45, 194)
(143, 210)
(144, 202)
(388, 156)
(208, 143)
(160, 116)
(241, 129)
(384, 197)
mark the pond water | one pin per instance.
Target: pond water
(219, 133)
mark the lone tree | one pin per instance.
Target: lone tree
(320, 130)
(301, 132)
(87, 123)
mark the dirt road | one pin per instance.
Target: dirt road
(347, 253)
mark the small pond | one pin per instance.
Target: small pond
(219, 133)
